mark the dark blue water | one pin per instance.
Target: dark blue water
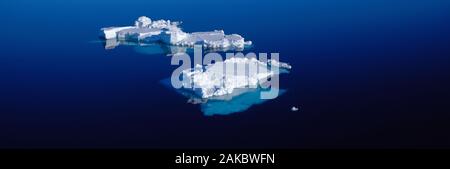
(365, 74)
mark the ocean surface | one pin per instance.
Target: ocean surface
(366, 74)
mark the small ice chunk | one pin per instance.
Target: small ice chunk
(294, 108)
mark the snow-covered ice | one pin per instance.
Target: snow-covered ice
(111, 32)
(217, 90)
(213, 80)
(146, 30)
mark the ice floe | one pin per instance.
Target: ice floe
(214, 80)
(216, 90)
(147, 31)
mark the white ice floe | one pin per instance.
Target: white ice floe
(215, 80)
(143, 22)
(111, 32)
(146, 30)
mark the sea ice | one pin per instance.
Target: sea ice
(146, 30)
(214, 81)
(111, 32)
